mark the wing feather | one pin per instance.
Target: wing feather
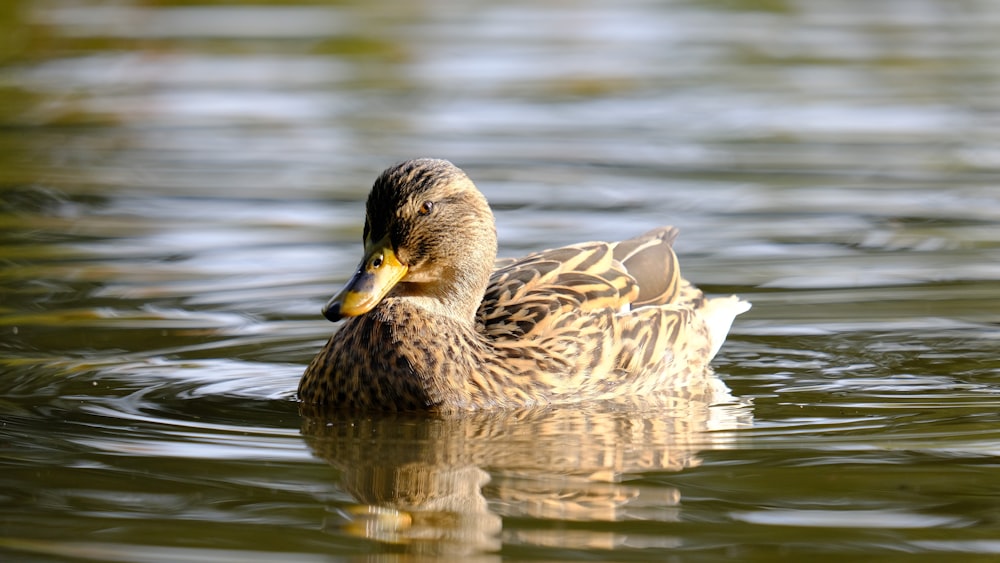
(562, 282)
(620, 309)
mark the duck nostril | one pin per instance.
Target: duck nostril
(376, 261)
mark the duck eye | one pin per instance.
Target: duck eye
(426, 208)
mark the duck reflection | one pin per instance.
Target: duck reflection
(442, 484)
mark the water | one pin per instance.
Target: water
(181, 189)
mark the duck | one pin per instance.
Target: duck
(434, 321)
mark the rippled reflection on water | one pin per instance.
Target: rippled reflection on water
(425, 482)
(181, 188)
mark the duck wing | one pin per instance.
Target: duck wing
(619, 311)
(526, 294)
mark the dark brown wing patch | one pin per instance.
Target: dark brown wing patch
(650, 260)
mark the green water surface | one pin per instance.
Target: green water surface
(182, 186)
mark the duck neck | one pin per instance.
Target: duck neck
(458, 298)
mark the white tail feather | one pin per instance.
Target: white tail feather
(719, 314)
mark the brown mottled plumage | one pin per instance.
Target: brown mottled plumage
(436, 323)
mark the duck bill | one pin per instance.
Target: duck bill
(377, 274)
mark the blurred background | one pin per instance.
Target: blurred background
(182, 187)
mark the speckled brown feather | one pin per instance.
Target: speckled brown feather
(590, 321)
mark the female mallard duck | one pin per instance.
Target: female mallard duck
(434, 322)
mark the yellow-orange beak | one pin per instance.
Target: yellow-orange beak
(378, 272)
